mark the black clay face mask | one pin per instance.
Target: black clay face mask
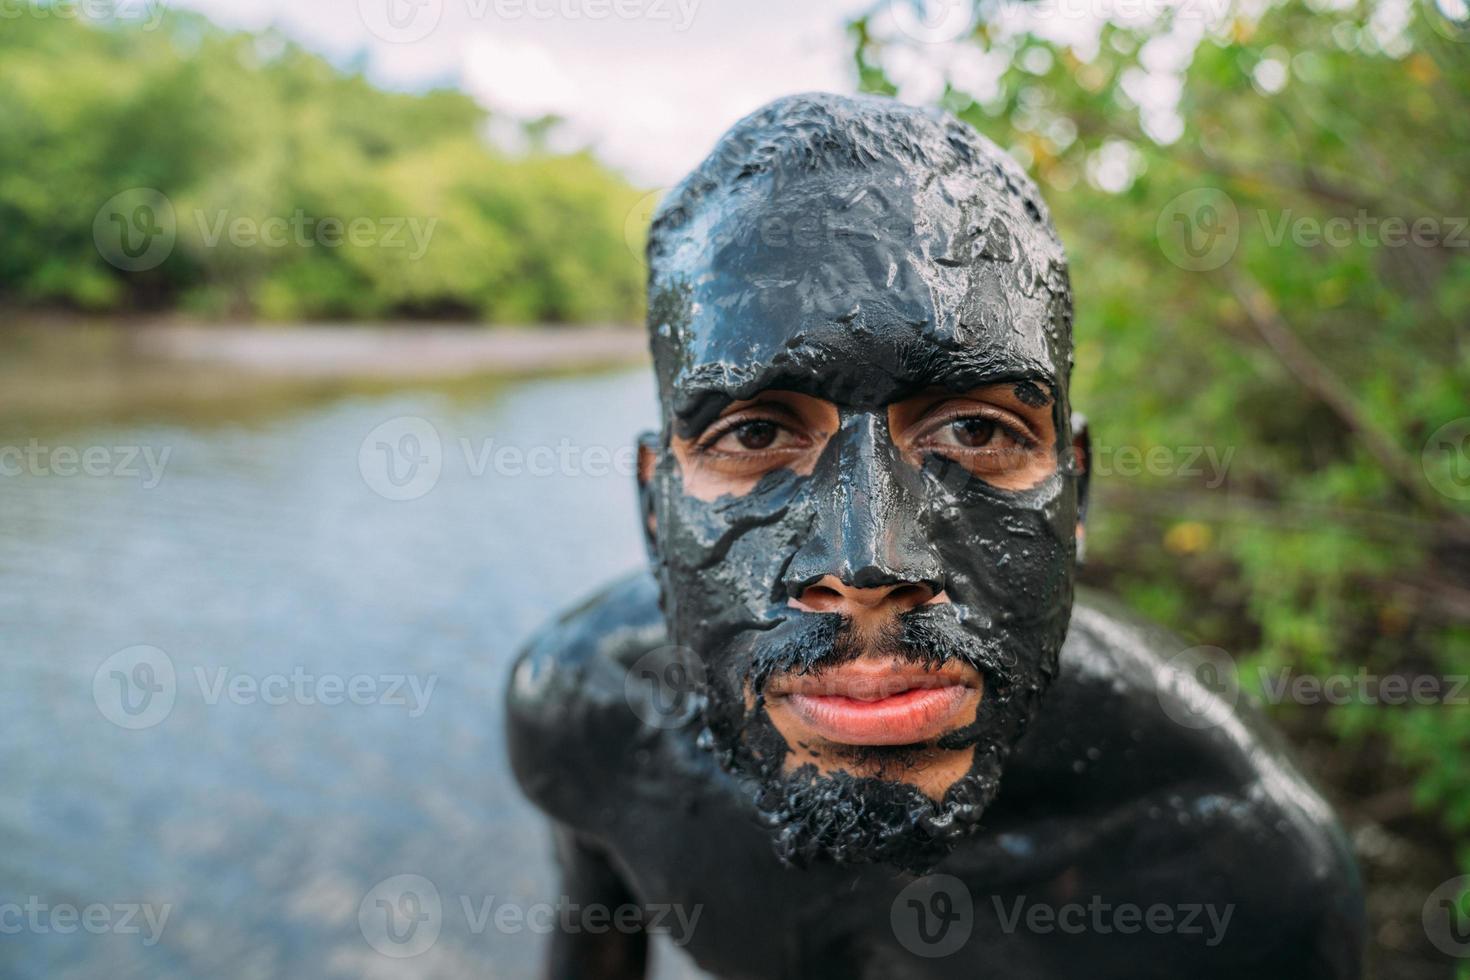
(860, 252)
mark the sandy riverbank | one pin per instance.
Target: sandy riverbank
(57, 372)
(386, 351)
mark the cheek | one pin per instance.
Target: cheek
(704, 482)
(727, 554)
(1012, 559)
(707, 478)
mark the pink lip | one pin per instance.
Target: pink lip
(882, 703)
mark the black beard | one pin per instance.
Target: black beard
(850, 819)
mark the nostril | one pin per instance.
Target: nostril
(820, 598)
(910, 596)
(845, 599)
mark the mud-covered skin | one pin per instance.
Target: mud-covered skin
(865, 254)
(862, 252)
(1156, 812)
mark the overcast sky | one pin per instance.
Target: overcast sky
(649, 83)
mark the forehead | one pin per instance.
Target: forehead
(859, 288)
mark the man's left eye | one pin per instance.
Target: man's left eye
(977, 433)
(974, 433)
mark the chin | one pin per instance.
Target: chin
(841, 818)
(861, 804)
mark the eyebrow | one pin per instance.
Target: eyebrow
(967, 377)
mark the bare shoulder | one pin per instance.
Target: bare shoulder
(1158, 690)
(568, 717)
(1154, 742)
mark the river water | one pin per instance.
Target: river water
(244, 687)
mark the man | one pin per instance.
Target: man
(864, 511)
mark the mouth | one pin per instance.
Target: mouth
(876, 701)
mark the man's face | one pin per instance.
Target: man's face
(865, 504)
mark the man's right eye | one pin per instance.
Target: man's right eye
(756, 434)
(748, 436)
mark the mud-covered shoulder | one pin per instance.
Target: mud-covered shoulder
(1140, 717)
(1163, 691)
(570, 727)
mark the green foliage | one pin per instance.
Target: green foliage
(1324, 366)
(250, 132)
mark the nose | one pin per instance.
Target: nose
(831, 594)
(866, 553)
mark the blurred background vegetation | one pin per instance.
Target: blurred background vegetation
(252, 127)
(1330, 543)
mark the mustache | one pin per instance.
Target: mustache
(930, 636)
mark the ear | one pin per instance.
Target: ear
(647, 460)
(1082, 467)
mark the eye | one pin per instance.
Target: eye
(756, 434)
(976, 433)
(986, 440)
(742, 436)
(990, 433)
